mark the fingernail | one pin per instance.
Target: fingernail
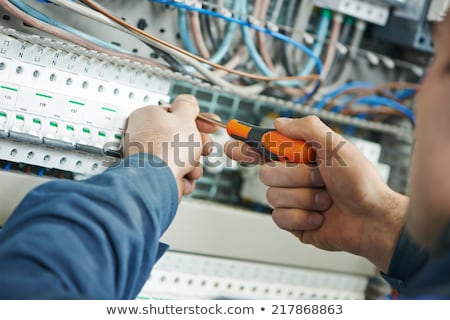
(315, 219)
(322, 200)
(316, 178)
(283, 121)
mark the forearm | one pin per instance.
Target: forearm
(93, 239)
(383, 230)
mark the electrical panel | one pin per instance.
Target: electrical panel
(69, 78)
(409, 26)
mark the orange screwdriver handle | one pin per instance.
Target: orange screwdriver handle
(272, 144)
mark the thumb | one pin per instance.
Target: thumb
(185, 106)
(311, 129)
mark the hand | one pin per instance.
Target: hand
(341, 203)
(173, 135)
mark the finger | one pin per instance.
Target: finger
(185, 106)
(207, 144)
(188, 187)
(241, 152)
(195, 173)
(298, 234)
(292, 219)
(311, 129)
(301, 198)
(283, 174)
(206, 126)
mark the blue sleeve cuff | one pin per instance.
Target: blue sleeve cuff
(408, 259)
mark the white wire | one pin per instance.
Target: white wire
(276, 11)
(346, 71)
(96, 16)
(299, 29)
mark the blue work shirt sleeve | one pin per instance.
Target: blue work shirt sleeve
(408, 259)
(95, 239)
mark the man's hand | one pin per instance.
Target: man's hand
(173, 135)
(341, 203)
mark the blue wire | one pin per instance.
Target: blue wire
(40, 16)
(260, 64)
(322, 32)
(7, 166)
(269, 32)
(184, 33)
(405, 94)
(351, 85)
(224, 46)
(41, 172)
(228, 38)
(375, 101)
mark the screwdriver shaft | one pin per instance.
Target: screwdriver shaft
(214, 121)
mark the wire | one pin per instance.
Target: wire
(276, 11)
(164, 45)
(346, 71)
(197, 34)
(7, 166)
(95, 16)
(263, 68)
(375, 101)
(345, 89)
(287, 62)
(261, 36)
(300, 25)
(225, 45)
(332, 45)
(13, 10)
(184, 34)
(322, 32)
(40, 16)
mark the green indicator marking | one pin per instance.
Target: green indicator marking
(36, 121)
(53, 124)
(108, 109)
(86, 130)
(101, 134)
(19, 117)
(70, 128)
(76, 102)
(44, 95)
(9, 88)
(142, 298)
(118, 136)
(3, 114)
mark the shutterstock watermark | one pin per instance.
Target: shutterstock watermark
(182, 152)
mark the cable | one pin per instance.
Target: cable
(40, 16)
(182, 52)
(300, 25)
(287, 62)
(262, 16)
(276, 11)
(224, 47)
(343, 90)
(197, 34)
(332, 45)
(13, 10)
(322, 32)
(263, 68)
(95, 16)
(346, 71)
(375, 101)
(7, 167)
(184, 34)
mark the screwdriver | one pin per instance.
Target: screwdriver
(272, 144)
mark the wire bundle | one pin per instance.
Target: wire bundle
(238, 62)
(363, 99)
